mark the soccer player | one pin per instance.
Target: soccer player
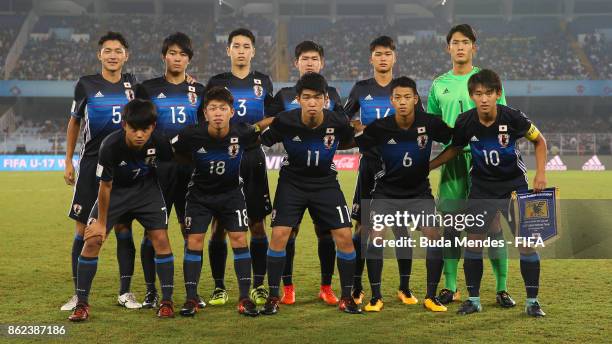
(309, 58)
(308, 180)
(368, 101)
(99, 100)
(179, 105)
(404, 141)
(252, 93)
(448, 97)
(216, 148)
(491, 131)
(128, 190)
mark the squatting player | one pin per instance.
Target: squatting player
(403, 142)
(99, 100)
(308, 180)
(309, 58)
(179, 105)
(216, 148)
(491, 131)
(129, 190)
(252, 93)
(448, 97)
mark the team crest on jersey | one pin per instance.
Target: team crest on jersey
(127, 85)
(328, 140)
(504, 139)
(258, 90)
(233, 150)
(129, 94)
(193, 98)
(257, 81)
(77, 208)
(422, 141)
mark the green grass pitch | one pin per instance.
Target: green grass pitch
(35, 281)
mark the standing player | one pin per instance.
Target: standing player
(308, 180)
(448, 97)
(99, 100)
(404, 142)
(129, 190)
(368, 101)
(252, 93)
(216, 148)
(491, 131)
(178, 104)
(309, 58)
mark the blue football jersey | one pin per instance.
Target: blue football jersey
(252, 95)
(368, 101)
(178, 105)
(404, 153)
(100, 103)
(217, 161)
(310, 151)
(495, 154)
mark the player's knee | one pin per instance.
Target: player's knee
(195, 242)
(161, 243)
(238, 239)
(122, 228)
(92, 247)
(343, 239)
(527, 251)
(431, 233)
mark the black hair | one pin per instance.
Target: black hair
(464, 29)
(113, 36)
(139, 113)
(179, 39)
(403, 81)
(311, 81)
(219, 93)
(241, 32)
(382, 41)
(486, 78)
(306, 46)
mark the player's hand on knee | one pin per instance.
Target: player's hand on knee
(96, 231)
(69, 173)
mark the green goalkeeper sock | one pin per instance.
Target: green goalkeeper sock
(499, 262)
(450, 273)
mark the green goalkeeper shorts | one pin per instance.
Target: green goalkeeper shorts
(455, 184)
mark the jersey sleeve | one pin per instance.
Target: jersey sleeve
(522, 126)
(163, 147)
(269, 97)
(351, 107)
(181, 142)
(273, 133)
(368, 138)
(200, 114)
(345, 131)
(460, 133)
(105, 168)
(79, 102)
(335, 97)
(433, 107)
(249, 133)
(277, 105)
(440, 132)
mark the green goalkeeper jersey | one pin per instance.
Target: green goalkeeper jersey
(449, 96)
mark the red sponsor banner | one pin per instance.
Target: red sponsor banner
(346, 162)
(343, 162)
